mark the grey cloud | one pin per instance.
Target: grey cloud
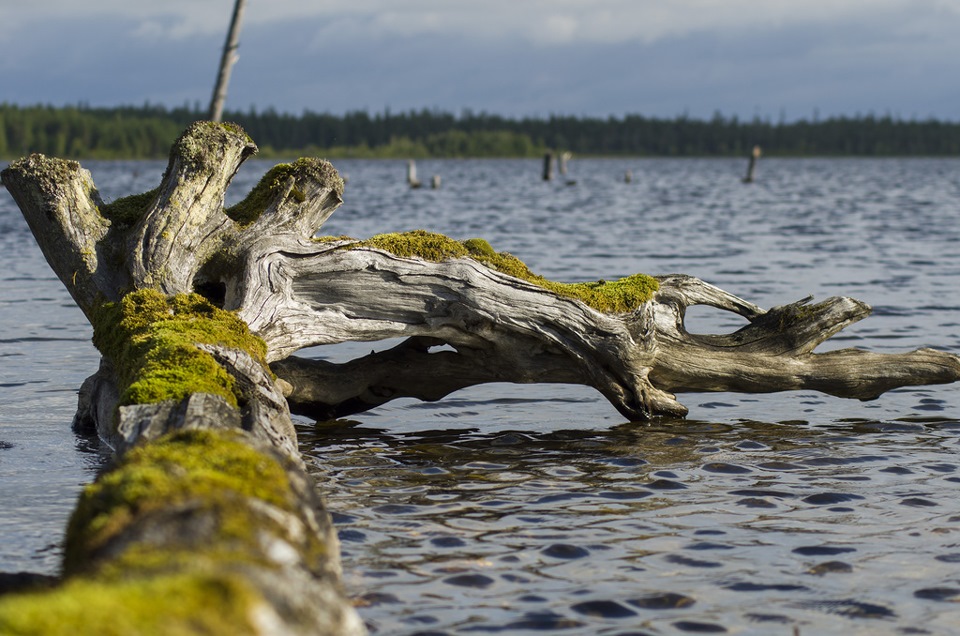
(316, 64)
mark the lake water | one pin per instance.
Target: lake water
(523, 509)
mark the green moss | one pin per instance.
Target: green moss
(217, 468)
(615, 297)
(236, 129)
(144, 587)
(269, 187)
(419, 243)
(116, 587)
(480, 247)
(150, 338)
(195, 144)
(52, 172)
(177, 605)
(273, 184)
(48, 169)
(619, 296)
(128, 210)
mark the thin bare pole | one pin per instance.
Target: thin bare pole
(227, 61)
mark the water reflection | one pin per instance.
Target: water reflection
(686, 526)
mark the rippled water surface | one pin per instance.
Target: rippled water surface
(508, 509)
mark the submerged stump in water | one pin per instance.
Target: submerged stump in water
(198, 311)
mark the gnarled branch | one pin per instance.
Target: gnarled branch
(296, 291)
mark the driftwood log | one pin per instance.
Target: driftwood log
(468, 315)
(207, 523)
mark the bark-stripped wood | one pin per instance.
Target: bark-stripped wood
(295, 292)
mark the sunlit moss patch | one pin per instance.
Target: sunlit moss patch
(173, 605)
(274, 182)
(617, 296)
(150, 338)
(216, 468)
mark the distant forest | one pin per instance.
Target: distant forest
(130, 132)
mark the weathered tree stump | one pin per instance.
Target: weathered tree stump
(412, 180)
(208, 521)
(752, 164)
(190, 302)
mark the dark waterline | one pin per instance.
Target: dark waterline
(507, 509)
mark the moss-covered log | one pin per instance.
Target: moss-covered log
(191, 301)
(207, 523)
(204, 531)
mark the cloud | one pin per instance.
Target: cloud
(543, 22)
(515, 57)
(594, 21)
(177, 18)
(841, 67)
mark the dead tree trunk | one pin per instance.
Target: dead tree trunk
(227, 60)
(260, 261)
(208, 521)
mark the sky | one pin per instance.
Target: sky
(773, 59)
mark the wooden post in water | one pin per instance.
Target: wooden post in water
(435, 182)
(563, 159)
(628, 176)
(751, 167)
(548, 166)
(226, 62)
(412, 174)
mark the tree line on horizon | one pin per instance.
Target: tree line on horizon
(142, 132)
